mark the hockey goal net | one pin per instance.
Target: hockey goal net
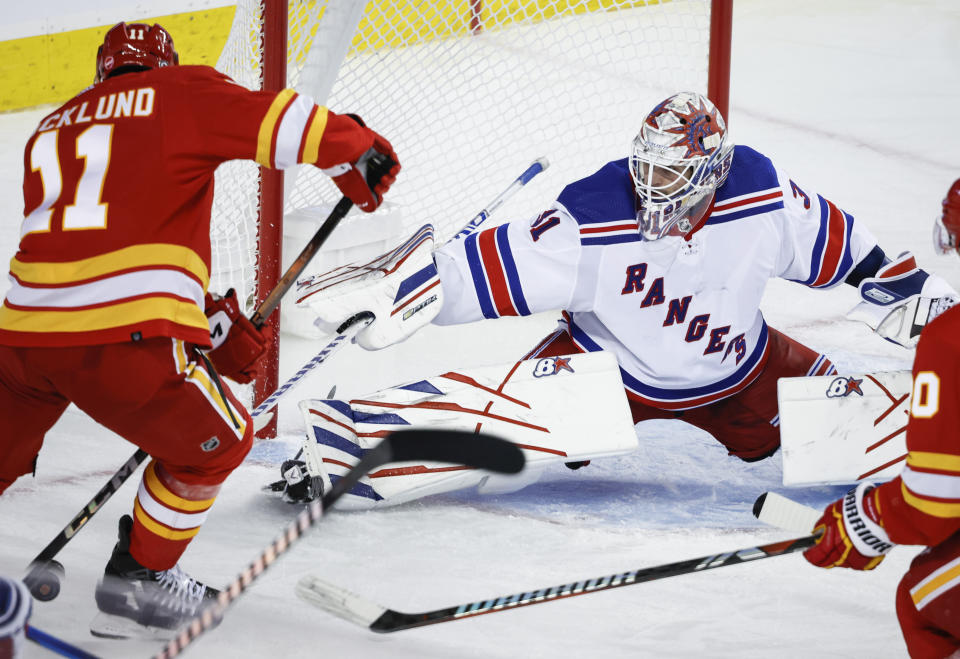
(469, 92)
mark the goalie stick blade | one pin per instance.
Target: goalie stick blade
(777, 510)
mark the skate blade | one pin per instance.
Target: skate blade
(106, 625)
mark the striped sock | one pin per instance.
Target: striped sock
(167, 514)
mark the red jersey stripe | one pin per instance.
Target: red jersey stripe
(490, 256)
(833, 250)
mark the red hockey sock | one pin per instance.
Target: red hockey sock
(166, 515)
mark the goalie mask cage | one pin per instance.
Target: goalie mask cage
(469, 92)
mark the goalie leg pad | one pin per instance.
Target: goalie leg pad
(558, 409)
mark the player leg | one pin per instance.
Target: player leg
(748, 423)
(29, 406)
(157, 395)
(928, 599)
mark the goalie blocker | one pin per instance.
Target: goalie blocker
(557, 409)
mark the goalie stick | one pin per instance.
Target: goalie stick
(363, 612)
(537, 166)
(476, 450)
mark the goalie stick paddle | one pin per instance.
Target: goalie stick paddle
(363, 612)
(474, 450)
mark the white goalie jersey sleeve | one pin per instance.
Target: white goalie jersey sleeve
(821, 243)
(515, 269)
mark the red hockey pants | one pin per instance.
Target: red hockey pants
(150, 392)
(747, 423)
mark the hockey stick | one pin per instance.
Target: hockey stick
(44, 573)
(475, 450)
(363, 612)
(538, 165)
(56, 645)
(777, 510)
(350, 328)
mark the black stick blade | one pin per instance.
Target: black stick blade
(457, 447)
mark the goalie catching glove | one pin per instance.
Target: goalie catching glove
(237, 344)
(400, 288)
(851, 532)
(901, 299)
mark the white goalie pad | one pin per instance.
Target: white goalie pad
(400, 288)
(842, 429)
(557, 409)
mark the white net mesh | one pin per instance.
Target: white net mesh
(468, 101)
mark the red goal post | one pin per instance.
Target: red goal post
(465, 90)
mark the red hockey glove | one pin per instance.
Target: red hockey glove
(851, 533)
(365, 180)
(237, 344)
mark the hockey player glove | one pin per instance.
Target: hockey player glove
(365, 180)
(237, 344)
(851, 534)
(16, 605)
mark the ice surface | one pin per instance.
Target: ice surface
(854, 99)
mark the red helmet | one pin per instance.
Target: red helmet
(947, 228)
(136, 44)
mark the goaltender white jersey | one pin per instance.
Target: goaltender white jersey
(682, 316)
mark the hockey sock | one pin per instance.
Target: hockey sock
(167, 514)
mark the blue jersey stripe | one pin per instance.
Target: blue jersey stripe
(746, 212)
(479, 277)
(669, 395)
(816, 258)
(611, 240)
(510, 270)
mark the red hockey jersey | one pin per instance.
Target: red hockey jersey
(118, 188)
(922, 505)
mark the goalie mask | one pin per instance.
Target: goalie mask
(680, 157)
(135, 45)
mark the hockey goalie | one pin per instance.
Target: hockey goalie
(568, 409)
(660, 259)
